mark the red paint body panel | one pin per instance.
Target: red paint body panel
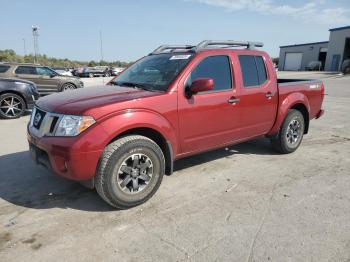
(191, 125)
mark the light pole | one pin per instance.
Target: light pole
(101, 46)
(24, 47)
(35, 30)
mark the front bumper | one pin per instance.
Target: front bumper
(75, 158)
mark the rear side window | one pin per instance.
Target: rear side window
(253, 70)
(28, 70)
(4, 68)
(216, 68)
(261, 69)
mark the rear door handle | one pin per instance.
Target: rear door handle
(233, 100)
(269, 95)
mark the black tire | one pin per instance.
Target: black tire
(91, 75)
(291, 133)
(16, 110)
(347, 70)
(107, 75)
(68, 86)
(109, 171)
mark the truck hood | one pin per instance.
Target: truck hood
(77, 102)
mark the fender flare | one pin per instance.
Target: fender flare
(287, 103)
(122, 121)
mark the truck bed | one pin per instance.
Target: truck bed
(309, 88)
(286, 81)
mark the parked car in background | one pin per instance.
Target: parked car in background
(47, 80)
(16, 96)
(314, 66)
(93, 71)
(63, 71)
(346, 66)
(116, 70)
(122, 138)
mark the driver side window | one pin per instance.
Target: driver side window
(214, 67)
(44, 71)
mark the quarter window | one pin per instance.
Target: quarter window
(253, 70)
(216, 68)
(27, 70)
(4, 68)
(261, 69)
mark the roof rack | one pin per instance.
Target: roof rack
(228, 44)
(172, 48)
(206, 44)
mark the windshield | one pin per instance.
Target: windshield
(154, 72)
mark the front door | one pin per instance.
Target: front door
(47, 79)
(208, 119)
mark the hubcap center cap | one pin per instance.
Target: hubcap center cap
(134, 173)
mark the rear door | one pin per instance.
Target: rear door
(29, 73)
(208, 119)
(258, 95)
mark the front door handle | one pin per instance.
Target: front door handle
(233, 100)
(269, 95)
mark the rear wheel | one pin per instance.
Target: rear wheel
(91, 75)
(291, 133)
(130, 171)
(11, 106)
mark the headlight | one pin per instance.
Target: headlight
(73, 125)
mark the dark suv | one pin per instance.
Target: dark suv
(47, 80)
(16, 96)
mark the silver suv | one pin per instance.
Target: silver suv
(47, 80)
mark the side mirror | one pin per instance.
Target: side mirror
(200, 85)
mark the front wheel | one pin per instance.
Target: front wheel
(11, 106)
(68, 86)
(131, 170)
(291, 133)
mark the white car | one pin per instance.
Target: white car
(63, 72)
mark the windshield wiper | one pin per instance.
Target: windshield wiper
(134, 85)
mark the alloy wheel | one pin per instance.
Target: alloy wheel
(293, 132)
(68, 86)
(135, 173)
(11, 106)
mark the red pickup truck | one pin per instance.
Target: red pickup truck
(175, 102)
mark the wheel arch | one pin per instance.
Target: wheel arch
(302, 109)
(158, 138)
(67, 82)
(145, 123)
(297, 101)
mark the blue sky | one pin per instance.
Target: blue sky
(131, 29)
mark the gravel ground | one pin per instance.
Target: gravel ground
(242, 203)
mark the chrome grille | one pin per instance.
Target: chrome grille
(46, 125)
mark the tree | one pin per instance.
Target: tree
(9, 55)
